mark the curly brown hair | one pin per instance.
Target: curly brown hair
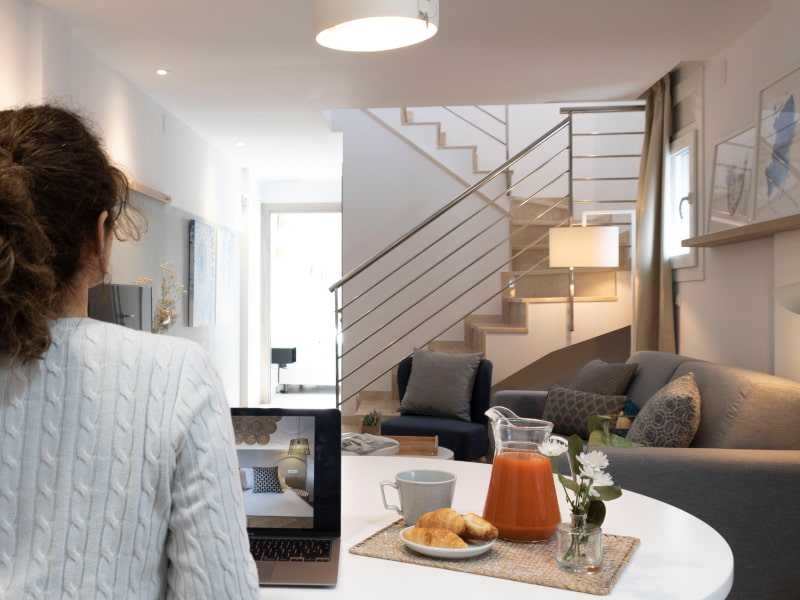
(55, 181)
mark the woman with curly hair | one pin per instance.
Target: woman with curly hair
(118, 474)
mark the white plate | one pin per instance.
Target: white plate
(473, 548)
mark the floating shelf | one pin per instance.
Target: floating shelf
(745, 233)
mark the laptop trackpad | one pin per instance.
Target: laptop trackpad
(265, 569)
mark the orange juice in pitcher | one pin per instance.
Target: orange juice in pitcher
(521, 501)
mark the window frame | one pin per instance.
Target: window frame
(685, 141)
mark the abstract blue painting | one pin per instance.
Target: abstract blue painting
(778, 188)
(202, 273)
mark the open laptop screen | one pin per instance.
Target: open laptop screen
(290, 470)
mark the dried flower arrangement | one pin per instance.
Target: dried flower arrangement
(165, 312)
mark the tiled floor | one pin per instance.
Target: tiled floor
(304, 397)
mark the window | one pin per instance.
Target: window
(680, 201)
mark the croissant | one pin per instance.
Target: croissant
(446, 518)
(478, 528)
(435, 537)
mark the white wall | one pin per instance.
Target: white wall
(730, 316)
(39, 61)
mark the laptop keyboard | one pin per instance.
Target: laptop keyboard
(293, 549)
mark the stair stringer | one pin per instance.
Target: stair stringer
(427, 137)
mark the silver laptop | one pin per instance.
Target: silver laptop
(290, 470)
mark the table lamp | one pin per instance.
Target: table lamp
(572, 247)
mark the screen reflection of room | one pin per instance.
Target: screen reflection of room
(276, 468)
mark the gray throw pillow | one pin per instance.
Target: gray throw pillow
(440, 384)
(671, 417)
(600, 377)
(569, 410)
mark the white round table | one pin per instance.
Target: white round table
(679, 556)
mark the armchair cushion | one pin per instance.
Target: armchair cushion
(671, 417)
(440, 385)
(569, 410)
(600, 377)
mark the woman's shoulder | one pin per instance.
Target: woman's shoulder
(112, 336)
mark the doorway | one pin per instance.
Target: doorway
(305, 258)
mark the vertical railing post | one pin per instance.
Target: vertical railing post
(338, 329)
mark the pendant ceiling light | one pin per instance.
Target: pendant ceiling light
(374, 25)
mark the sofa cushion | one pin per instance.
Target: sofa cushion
(440, 384)
(569, 410)
(671, 417)
(600, 377)
(745, 409)
(468, 441)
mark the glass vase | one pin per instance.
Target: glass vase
(579, 546)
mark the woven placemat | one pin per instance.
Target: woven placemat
(527, 563)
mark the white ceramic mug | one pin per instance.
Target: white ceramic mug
(420, 491)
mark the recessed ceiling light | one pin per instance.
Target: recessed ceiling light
(240, 144)
(161, 72)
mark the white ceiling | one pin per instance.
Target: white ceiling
(250, 71)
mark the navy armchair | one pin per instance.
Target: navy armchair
(469, 440)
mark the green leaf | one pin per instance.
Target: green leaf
(569, 483)
(603, 438)
(596, 512)
(608, 492)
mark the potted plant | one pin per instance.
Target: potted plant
(371, 423)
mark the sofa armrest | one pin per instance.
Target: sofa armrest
(525, 403)
(748, 496)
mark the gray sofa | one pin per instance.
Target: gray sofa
(741, 474)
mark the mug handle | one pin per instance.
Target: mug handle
(386, 505)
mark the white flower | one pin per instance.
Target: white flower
(590, 472)
(594, 460)
(552, 447)
(604, 480)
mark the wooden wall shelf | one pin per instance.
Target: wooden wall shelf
(745, 233)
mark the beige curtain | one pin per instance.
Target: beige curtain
(654, 321)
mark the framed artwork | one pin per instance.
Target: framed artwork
(227, 275)
(778, 150)
(732, 179)
(202, 273)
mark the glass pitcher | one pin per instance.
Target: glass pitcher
(521, 501)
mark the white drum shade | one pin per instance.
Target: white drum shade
(584, 246)
(374, 25)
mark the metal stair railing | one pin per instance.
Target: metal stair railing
(375, 312)
(344, 322)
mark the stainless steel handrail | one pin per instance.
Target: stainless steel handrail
(478, 127)
(455, 202)
(427, 319)
(453, 229)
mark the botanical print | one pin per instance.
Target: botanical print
(732, 184)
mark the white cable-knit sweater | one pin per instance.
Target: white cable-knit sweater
(118, 476)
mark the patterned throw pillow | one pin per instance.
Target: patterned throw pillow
(600, 377)
(265, 481)
(671, 417)
(569, 410)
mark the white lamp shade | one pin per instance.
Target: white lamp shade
(374, 25)
(788, 296)
(584, 246)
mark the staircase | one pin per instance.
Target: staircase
(558, 177)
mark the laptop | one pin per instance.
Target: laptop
(290, 471)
